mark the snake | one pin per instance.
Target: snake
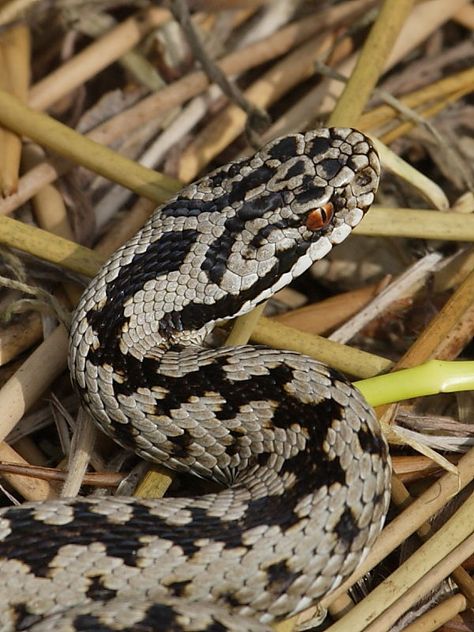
(300, 468)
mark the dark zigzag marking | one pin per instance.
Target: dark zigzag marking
(160, 258)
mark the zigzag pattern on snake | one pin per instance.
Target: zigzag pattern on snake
(305, 468)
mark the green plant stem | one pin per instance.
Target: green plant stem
(435, 376)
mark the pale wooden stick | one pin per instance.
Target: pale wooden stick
(95, 58)
(71, 145)
(331, 312)
(45, 245)
(352, 361)
(383, 114)
(46, 363)
(29, 184)
(429, 189)
(95, 479)
(407, 284)
(29, 488)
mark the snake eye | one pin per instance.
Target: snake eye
(320, 217)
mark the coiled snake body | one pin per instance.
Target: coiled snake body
(306, 469)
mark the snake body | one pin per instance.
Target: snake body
(305, 468)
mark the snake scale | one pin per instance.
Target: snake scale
(304, 468)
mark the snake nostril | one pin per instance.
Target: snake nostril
(363, 178)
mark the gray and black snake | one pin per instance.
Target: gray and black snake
(305, 468)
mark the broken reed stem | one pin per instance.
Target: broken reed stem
(426, 187)
(79, 457)
(341, 357)
(30, 184)
(48, 204)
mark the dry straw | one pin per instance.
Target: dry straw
(446, 549)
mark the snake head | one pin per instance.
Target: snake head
(287, 206)
(327, 179)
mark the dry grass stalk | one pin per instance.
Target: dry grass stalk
(407, 284)
(353, 361)
(28, 383)
(268, 88)
(50, 247)
(434, 618)
(79, 458)
(95, 479)
(439, 90)
(48, 203)
(29, 488)
(19, 336)
(14, 78)
(94, 58)
(371, 62)
(29, 184)
(71, 145)
(426, 187)
(436, 495)
(331, 312)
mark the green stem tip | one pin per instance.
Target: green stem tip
(435, 376)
